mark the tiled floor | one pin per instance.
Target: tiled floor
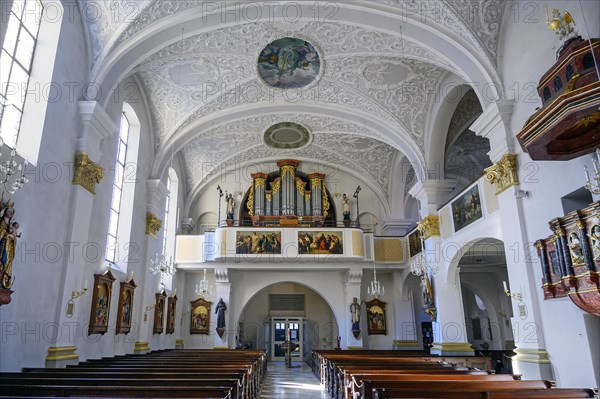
(297, 382)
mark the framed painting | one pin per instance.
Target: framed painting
(171, 308)
(414, 243)
(376, 320)
(200, 314)
(125, 307)
(466, 209)
(159, 313)
(258, 242)
(101, 303)
(320, 242)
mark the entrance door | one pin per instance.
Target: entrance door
(280, 329)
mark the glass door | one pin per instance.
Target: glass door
(281, 328)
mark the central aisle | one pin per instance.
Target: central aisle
(297, 382)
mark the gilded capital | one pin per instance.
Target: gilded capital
(86, 172)
(153, 224)
(429, 226)
(503, 174)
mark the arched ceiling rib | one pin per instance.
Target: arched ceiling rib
(382, 64)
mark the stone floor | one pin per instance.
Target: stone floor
(297, 382)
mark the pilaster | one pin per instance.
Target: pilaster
(494, 124)
(396, 227)
(223, 291)
(431, 194)
(352, 290)
(531, 359)
(405, 337)
(96, 125)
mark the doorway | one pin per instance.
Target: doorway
(283, 327)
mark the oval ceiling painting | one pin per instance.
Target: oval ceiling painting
(289, 63)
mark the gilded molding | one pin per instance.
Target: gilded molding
(300, 185)
(503, 174)
(429, 226)
(61, 353)
(153, 224)
(326, 204)
(250, 203)
(260, 182)
(452, 346)
(276, 185)
(141, 346)
(86, 172)
(531, 356)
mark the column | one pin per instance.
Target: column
(531, 358)
(187, 225)
(156, 193)
(406, 332)
(353, 282)
(448, 320)
(223, 291)
(96, 125)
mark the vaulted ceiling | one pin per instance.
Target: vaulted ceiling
(381, 66)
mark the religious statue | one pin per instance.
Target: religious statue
(595, 235)
(345, 207)
(575, 248)
(428, 301)
(220, 312)
(230, 206)
(355, 311)
(562, 25)
(9, 232)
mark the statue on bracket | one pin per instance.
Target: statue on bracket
(346, 209)
(9, 232)
(220, 312)
(230, 207)
(355, 311)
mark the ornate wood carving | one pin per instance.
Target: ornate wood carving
(86, 172)
(429, 226)
(503, 174)
(153, 224)
(101, 294)
(570, 258)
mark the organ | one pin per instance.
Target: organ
(288, 197)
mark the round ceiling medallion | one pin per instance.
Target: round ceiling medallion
(289, 63)
(287, 135)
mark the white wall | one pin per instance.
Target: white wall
(529, 49)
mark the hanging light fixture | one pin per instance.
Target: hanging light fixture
(12, 175)
(376, 288)
(593, 185)
(160, 265)
(203, 288)
(420, 265)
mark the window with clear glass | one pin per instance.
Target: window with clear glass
(115, 206)
(166, 224)
(16, 57)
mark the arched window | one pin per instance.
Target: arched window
(547, 94)
(588, 61)
(119, 250)
(19, 38)
(170, 220)
(557, 83)
(569, 72)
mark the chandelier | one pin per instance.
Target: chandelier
(420, 265)
(376, 287)
(203, 288)
(12, 175)
(160, 265)
(593, 186)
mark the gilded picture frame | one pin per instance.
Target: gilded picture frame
(200, 316)
(171, 311)
(159, 312)
(125, 307)
(100, 311)
(376, 317)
